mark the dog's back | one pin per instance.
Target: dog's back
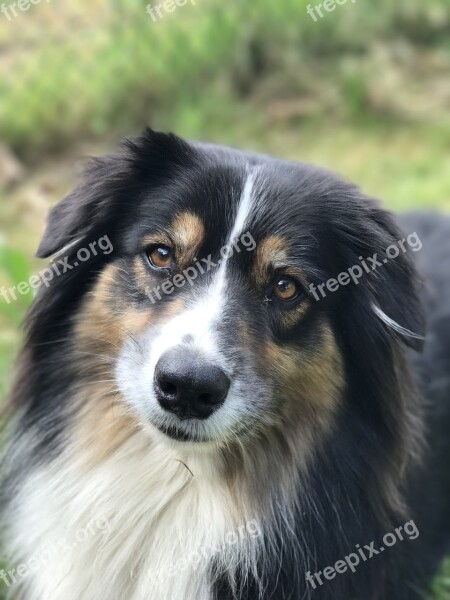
(432, 367)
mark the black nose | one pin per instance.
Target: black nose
(188, 386)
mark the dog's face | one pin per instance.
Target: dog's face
(229, 334)
(205, 320)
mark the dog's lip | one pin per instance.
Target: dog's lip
(180, 435)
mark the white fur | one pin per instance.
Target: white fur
(156, 512)
(394, 325)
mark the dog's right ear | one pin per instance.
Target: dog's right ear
(107, 187)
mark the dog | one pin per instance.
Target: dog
(247, 398)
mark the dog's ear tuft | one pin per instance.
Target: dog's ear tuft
(396, 299)
(412, 339)
(386, 291)
(394, 286)
(107, 186)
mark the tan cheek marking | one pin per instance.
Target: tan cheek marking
(141, 270)
(291, 317)
(104, 323)
(188, 232)
(98, 319)
(107, 319)
(174, 308)
(307, 388)
(103, 423)
(145, 281)
(309, 382)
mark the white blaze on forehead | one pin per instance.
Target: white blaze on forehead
(244, 208)
(242, 215)
(199, 320)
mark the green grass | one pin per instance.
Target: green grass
(441, 585)
(121, 70)
(14, 268)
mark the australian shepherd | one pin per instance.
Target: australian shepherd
(240, 399)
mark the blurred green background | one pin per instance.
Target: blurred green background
(365, 90)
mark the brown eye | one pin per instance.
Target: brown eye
(161, 257)
(286, 288)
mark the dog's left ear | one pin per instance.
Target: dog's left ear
(393, 285)
(385, 297)
(107, 189)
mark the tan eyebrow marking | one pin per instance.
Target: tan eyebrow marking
(271, 253)
(157, 238)
(186, 232)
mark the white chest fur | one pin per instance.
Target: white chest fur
(139, 525)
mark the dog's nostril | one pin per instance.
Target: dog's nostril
(167, 387)
(206, 398)
(188, 386)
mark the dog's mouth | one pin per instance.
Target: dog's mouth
(181, 435)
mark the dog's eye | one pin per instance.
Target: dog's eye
(286, 288)
(160, 257)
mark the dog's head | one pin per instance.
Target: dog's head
(241, 296)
